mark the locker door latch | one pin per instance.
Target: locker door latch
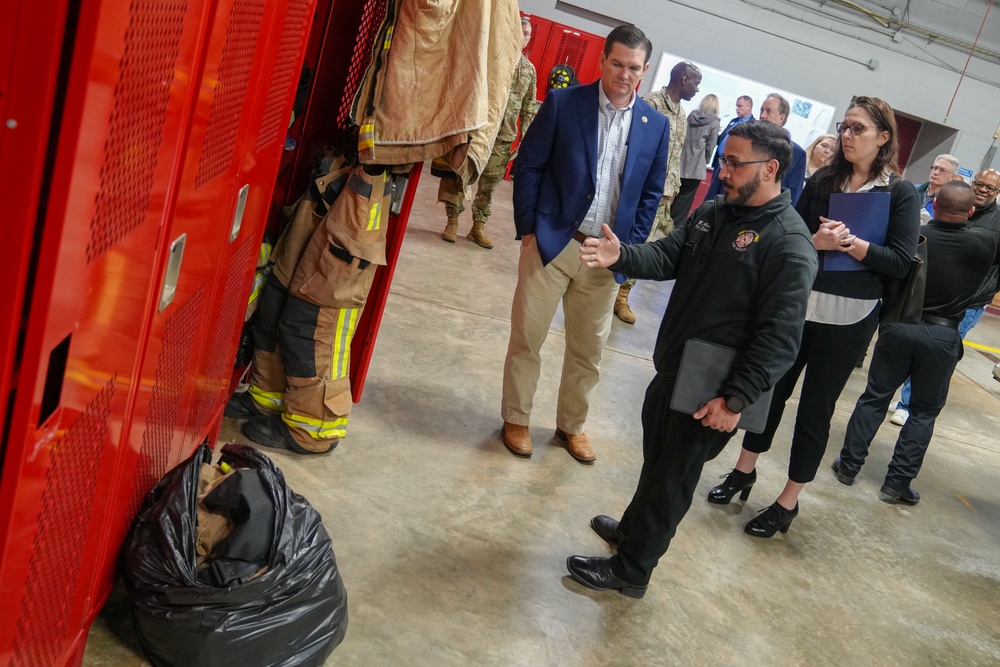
(172, 272)
(241, 204)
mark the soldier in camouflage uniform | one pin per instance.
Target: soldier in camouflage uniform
(685, 78)
(520, 104)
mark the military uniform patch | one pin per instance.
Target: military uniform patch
(744, 239)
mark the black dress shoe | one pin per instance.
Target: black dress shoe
(841, 477)
(771, 520)
(241, 406)
(890, 495)
(734, 482)
(595, 572)
(608, 529)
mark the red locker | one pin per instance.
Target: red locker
(163, 112)
(123, 93)
(540, 31)
(576, 48)
(140, 166)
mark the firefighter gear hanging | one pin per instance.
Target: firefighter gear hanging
(324, 264)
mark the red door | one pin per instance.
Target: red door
(908, 131)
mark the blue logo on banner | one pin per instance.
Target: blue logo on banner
(800, 108)
(967, 173)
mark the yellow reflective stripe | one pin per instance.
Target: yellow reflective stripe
(340, 359)
(317, 428)
(388, 37)
(366, 136)
(272, 400)
(259, 278)
(264, 254)
(374, 215)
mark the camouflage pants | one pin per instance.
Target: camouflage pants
(488, 182)
(661, 221)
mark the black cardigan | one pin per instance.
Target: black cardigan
(891, 260)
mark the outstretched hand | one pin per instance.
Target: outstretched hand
(601, 251)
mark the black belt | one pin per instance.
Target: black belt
(943, 321)
(581, 237)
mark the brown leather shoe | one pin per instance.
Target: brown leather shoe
(517, 439)
(578, 446)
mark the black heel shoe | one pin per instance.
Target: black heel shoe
(735, 481)
(771, 520)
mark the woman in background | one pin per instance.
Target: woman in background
(820, 152)
(702, 134)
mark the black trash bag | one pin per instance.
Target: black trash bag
(293, 614)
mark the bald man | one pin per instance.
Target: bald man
(958, 259)
(985, 187)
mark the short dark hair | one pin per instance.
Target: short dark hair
(684, 68)
(630, 36)
(955, 198)
(768, 139)
(783, 106)
(747, 98)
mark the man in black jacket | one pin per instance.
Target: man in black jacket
(985, 187)
(743, 276)
(958, 258)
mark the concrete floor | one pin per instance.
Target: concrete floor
(453, 551)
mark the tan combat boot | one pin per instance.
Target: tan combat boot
(478, 234)
(622, 309)
(450, 233)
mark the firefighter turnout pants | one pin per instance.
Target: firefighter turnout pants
(324, 266)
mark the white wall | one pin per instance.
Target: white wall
(780, 44)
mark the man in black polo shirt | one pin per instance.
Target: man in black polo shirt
(959, 257)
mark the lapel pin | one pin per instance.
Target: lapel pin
(644, 119)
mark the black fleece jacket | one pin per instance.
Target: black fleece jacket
(743, 279)
(891, 260)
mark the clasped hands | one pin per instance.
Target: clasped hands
(601, 251)
(833, 235)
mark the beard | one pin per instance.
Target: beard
(744, 192)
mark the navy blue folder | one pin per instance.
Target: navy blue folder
(866, 214)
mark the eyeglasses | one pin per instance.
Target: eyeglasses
(855, 128)
(736, 164)
(937, 170)
(985, 187)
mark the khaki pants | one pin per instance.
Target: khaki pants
(313, 319)
(588, 297)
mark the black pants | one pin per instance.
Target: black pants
(828, 354)
(675, 447)
(680, 207)
(928, 353)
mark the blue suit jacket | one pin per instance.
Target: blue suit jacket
(794, 180)
(555, 175)
(722, 137)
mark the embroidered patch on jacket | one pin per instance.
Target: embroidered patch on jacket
(703, 226)
(744, 239)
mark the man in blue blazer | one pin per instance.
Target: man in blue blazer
(775, 109)
(595, 154)
(744, 112)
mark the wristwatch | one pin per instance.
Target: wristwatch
(735, 404)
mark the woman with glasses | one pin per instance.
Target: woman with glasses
(843, 306)
(819, 153)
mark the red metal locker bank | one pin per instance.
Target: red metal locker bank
(140, 146)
